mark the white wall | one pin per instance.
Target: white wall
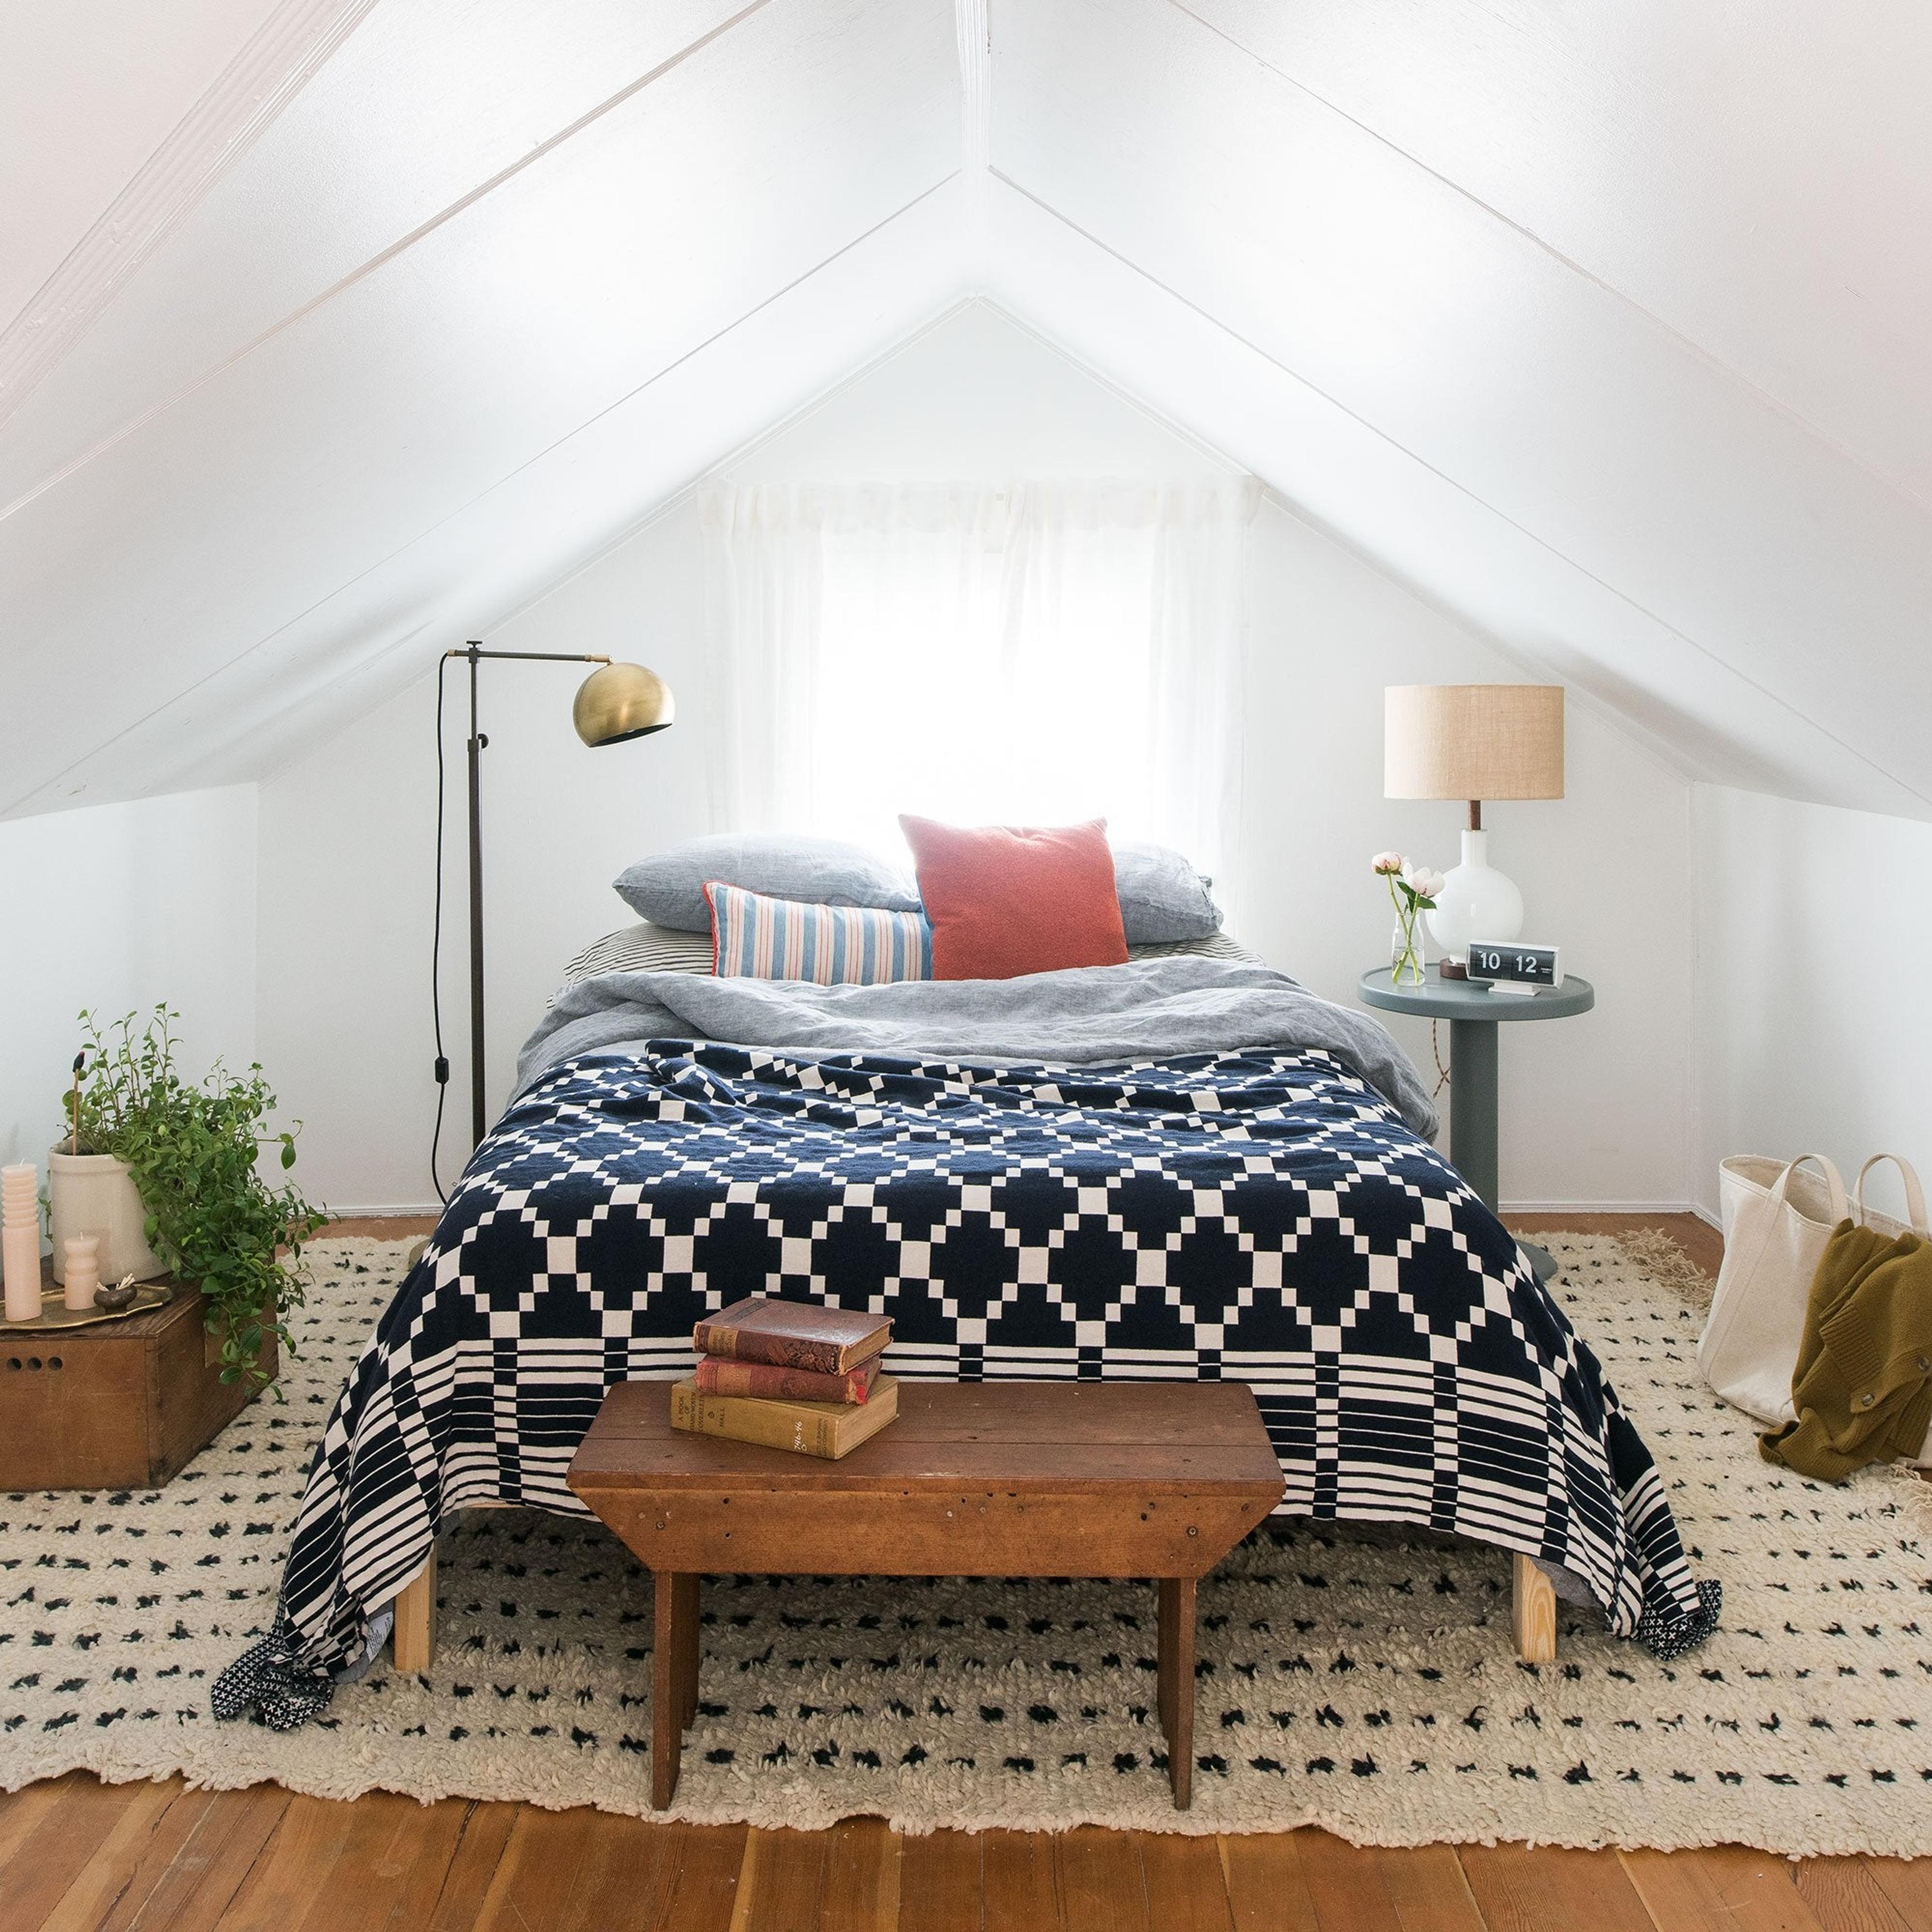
(115, 909)
(348, 870)
(1814, 934)
(1597, 1109)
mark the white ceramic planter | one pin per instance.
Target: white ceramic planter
(94, 1194)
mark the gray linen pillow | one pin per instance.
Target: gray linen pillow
(668, 889)
(1162, 898)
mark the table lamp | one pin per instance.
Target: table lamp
(1473, 741)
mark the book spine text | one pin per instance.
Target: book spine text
(742, 1421)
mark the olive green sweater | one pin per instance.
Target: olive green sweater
(1863, 1385)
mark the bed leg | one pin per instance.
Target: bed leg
(414, 1637)
(1533, 1616)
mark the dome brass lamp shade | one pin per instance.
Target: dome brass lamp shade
(618, 701)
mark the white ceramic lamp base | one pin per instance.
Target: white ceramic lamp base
(1477, 901)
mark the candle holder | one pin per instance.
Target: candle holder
(55, 1317)
(20, 1240)
(83, 1273)
(118, 1298)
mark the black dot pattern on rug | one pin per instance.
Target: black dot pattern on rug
(1363, 1679)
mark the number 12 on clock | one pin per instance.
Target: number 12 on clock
(1515, 968)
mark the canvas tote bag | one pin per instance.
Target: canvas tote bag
(1777, 1217)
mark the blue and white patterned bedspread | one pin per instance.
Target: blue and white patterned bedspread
(1257, 1214)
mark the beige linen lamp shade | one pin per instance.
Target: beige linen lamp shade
(1472, 741)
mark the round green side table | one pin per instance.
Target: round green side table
(1473, 1013)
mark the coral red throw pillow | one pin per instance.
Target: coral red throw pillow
(1007, 899)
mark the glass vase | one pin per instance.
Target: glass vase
(1406, 965)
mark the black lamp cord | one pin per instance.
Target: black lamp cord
(442, 1068)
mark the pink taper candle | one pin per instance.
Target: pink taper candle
(20, 1241)
(83, 1271)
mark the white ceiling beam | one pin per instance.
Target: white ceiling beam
(1547, 399)
(379, 632)
(324, 497)
(530, 157)
(1764, 194)
(273, 66)
(1413, 522)
(975, 84)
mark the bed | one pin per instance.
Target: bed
(1186, 1165)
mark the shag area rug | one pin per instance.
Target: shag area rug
(1364, 1681)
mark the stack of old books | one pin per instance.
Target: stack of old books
(792, 1375)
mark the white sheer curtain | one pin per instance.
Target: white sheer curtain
(1036, 654)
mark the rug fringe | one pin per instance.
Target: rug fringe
(1666, 1260)
(1915, 1491)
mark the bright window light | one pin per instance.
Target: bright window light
(1037, 654)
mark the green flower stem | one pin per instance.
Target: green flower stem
(1405, 961)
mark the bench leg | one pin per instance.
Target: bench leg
(1533, 1614)
(673, 1679)
(1176, 1684)
(687, 1649)
(413, 1640)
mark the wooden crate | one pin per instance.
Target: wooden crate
(116, 1405)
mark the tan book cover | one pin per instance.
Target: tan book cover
(826, 1429)
(793, 1334)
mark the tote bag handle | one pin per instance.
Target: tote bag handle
(1834, 1186)
(1914, 1195)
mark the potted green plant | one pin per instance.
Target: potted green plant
(192, 1154)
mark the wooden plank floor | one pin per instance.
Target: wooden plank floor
(76, 1854)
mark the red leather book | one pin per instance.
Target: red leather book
(792, 1335)
(717, 1376)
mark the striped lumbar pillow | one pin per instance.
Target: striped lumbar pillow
(755, 938)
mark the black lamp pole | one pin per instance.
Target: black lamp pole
(479, 1120)
(477, 742)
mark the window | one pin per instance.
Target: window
(1038, 654)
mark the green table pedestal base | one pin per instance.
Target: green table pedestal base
(1472, 1105)
(1472, 1121)
(1474, 1013)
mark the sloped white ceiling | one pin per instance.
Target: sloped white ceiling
(1753, 177)
(123, 73)
(1600, 326)
(367, 395)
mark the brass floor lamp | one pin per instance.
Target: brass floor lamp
(615, 703)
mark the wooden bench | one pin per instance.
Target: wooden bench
(974, 1479)
(1025, 1442)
